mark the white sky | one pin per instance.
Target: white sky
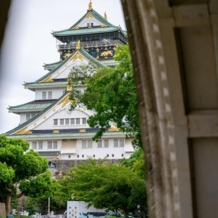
(28, 44)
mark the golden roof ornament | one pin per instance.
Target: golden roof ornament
(105, 16)
(90, 6)
(78, 45)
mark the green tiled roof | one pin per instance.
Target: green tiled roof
(33, 106)
(51, 65)
(85, 31)
(66, 135)
(84, 52)
(33, 118)
(34, 86)
(95, 14)
(109, 62)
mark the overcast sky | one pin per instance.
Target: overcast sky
(28, 44)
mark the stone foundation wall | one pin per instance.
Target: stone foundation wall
(64, 165)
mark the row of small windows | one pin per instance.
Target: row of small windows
(47, 95)
(50, 145)
(89, 24)
(103, 143)
(69, 121)
(78, 156)
(38, 145)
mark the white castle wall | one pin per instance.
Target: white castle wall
(93, 20)
(56, 93)
(49, 123)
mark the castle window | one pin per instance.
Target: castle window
(34, 145)
(116, 143)
(89, 143)
(52, 145)
(55, 144)
(66, 121)
(99, 143)
(121, 142)
(112, 155)
(88, 24)
(86, 143)
(69, 156)
(61, 121)
(40, 145)
(82, 155)
(72, 121)
(92, 24)
(49, 145)
(43, 95)
(93, 155)
(55, 121)
(84, 120)
(106, 143)
(77, 120)
(50, 95)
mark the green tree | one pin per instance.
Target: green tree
(136, 162)
(111, 186)
(22, 171)
(111, 93)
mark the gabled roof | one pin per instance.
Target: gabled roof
(32, 106)
(70, 32)
(33, 86)
(23, 125)
(82, 51)
(74, 30)
(51, 66)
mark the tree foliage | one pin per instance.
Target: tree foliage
(22, 171)
(111, 94)
(110, 186)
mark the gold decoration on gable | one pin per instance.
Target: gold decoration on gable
(103, 25)
(69, 88)
(47, 80)
(82, 130)
(24, 131)
(67, 55)
(77, 56)
(106, 53)
(76, 28)
(89, 15)
(113, 128)
(56, 131)
(64, 101)
(78, 46)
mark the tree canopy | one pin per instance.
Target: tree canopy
(22, 171)
(110, 186)
(110, 93)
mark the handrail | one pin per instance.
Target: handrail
(90, 44)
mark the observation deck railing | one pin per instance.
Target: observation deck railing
(96, 44)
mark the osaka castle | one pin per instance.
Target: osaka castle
(47, 123)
